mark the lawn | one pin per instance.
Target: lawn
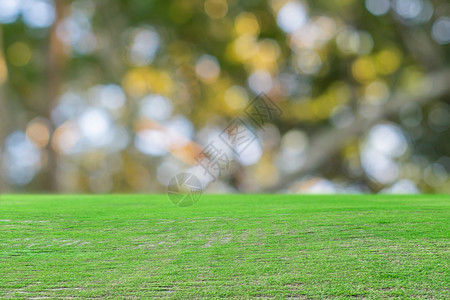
(232, 246)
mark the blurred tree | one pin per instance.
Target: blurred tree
(109, 96)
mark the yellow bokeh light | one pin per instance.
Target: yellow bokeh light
(388, 61)
(245, 47)
(363, 69)
(162, 83)
(216, 9)
(266, 56)
(3, 70)
(246, 23)
(411, 79)
(265, 173)
(323, 105)
(236, 97)
(135, 83)
(230, 53)
(19, 54)
(268, 50)
(317, 110)
(140, 81)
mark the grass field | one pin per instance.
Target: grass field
(278, 246)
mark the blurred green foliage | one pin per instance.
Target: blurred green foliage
(93, 91)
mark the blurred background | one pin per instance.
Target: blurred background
(119, 96)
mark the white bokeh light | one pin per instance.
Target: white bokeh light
(322, 186)
(294, 141)
(9, 10)
(152, 142)
(156, 107)
(403, 186)
(251, 154)
(120, 139)
(70, 105)
(378, 166)
(75, 31)
(292, 16)
(204, 177)
(426, 13)
(166, 171)
(384, 143)
(38, 13)
(22, 158)
(292, 151)
(110, 96)
(441, 30)
(180, 130)
(313, 35)
(407, 9)
(95, 124)
(350, 41)
(378, 7)
(144, 45)
(207, 68)
(309, 62)
(260, 82)
(388, 140)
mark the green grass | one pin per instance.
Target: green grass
(279, 246)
